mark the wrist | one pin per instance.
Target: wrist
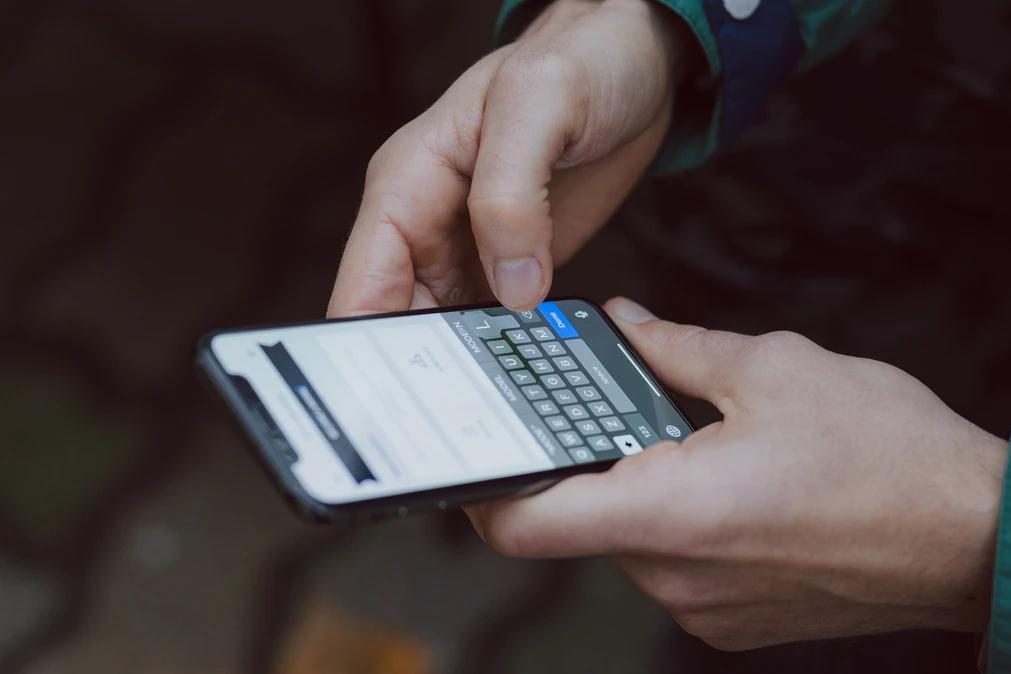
(682, 53)
(981, 491)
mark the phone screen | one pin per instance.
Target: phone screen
(385, 406)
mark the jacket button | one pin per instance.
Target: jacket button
(741, 9)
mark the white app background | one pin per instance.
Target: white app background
(414, 403)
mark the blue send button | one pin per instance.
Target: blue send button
(553, 315)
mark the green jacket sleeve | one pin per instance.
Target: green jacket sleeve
(749, 49)
(998, 651)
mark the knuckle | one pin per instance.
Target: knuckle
(554, 69)
(541, 69)
(403, 142)
(668, 337)
(784, 341)
(778, 349)
(383, 159)
(375, 166)
(488, 212)
(492, 208)
(509, 212)
(791, 340)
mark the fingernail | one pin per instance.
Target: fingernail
(629, 311)
(518, 282)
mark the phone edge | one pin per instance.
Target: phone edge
(440, 498)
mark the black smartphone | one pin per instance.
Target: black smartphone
(431, 409)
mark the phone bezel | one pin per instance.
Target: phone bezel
(439, 498)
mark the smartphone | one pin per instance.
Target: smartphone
(390, 414)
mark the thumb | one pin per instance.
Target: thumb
(589, 514)
(691, 360)
(528, 117)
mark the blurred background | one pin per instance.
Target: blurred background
(171, 167)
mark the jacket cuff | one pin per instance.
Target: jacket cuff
(746, 57)
(998, 648)
(752, 47)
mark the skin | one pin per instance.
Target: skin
(519, 163)
(838, 496)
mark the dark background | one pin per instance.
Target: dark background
(171, 167)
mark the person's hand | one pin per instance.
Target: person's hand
(519, 163)
(838, 496)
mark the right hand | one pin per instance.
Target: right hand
(837, 496)
(518, 164)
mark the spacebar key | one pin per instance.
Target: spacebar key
(601, 377)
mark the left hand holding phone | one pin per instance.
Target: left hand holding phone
(838, 496)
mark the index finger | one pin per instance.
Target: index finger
(375, 275)
(415, 190)
(411, 199)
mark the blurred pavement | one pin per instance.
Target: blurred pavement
(169, 168)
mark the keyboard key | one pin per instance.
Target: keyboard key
(588, 393)
(541, 366)
(647, 436)
(581, 455)
(528, 317)
(510, 362)
(627, 444)
(565, 363)
(569, 438)
(557, 423)
(485, 325)
(600, 376)
(552, 381)
(534, 392)
(577, 378)
(546, 407)
(611, 424)
(673, 431)
(530, 351)
(576, 412)
(599, 443)
(588, 427)
(553, 349)
(518, 336)
(542, 334)
(565, 397)
(522, 377)
(601, 409)
(498, 347)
